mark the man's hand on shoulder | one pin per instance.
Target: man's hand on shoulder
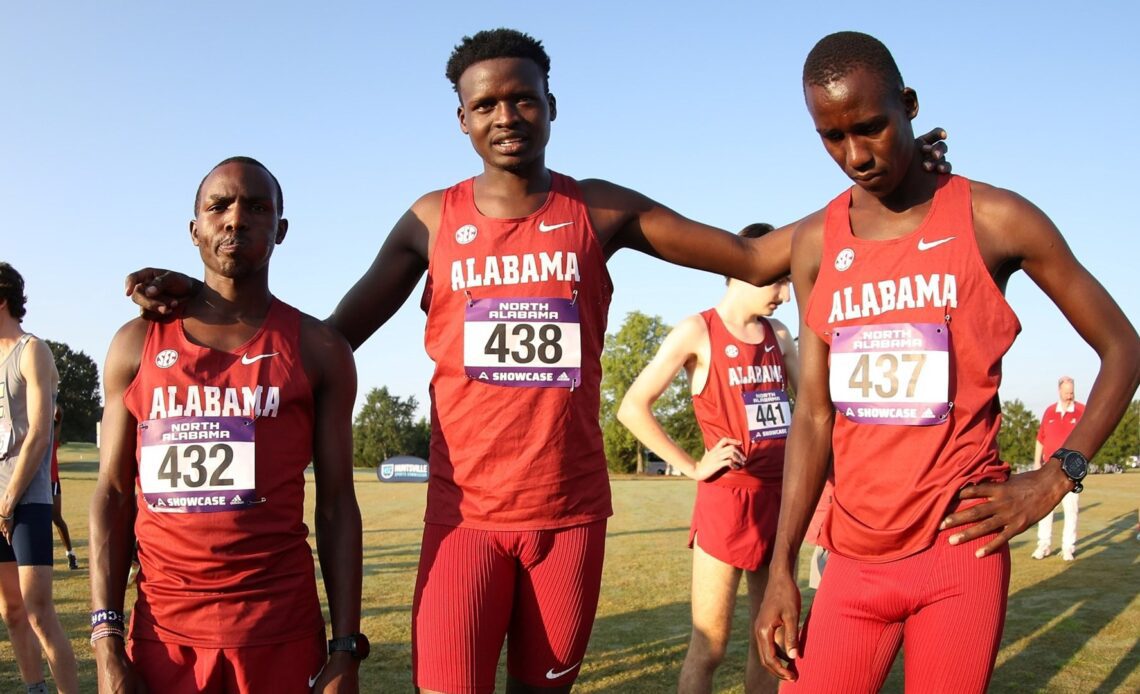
(160, 293)
(934, 151)
(1009, 507)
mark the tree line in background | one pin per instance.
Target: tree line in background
(625, 354)
(386, 426)
(1018, 437)
(79, 396)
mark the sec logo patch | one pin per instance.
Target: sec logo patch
(844, 258)
(466, 234)
(165, 359)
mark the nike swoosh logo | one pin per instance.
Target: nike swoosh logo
(552, 675)
(314, 678)
(247, 360)
(924, 246)
(769, 348)
(542, 226)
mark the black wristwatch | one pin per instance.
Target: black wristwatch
(356, 644)
(1075, 466)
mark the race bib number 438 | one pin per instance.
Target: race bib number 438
(895, 373)
(529, 343)
(197, 464)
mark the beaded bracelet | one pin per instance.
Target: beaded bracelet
(107, 629)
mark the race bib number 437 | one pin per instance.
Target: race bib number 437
(197, 464)
(529, 343)
(895, 373)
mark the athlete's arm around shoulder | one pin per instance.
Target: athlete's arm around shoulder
(686, 346)
(624, 218)
(113, 502)
(1014, 234)
(38, 369)
(398, 266)
(329, 365)
(806, 462)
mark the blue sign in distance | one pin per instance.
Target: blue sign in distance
(403, 468)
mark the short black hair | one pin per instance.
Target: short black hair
(12, 291)
(752, 231)
(496, 43)
(755, 231)
(836, 55)
(241, 160)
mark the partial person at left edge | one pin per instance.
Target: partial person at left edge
(57, 493)
(213, 418)
(29, 383)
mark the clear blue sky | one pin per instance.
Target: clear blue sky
(114, 111)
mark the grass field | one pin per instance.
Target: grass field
(1072, 627)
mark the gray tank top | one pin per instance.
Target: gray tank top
(14, 428)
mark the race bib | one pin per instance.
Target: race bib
(5, 439)
(523, 343)
(894, 373)
(768, 414)
(197, 464)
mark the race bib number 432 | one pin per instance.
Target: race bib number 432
(894, 373)
(529, 343)
(197, 464)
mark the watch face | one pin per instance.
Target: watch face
(355, 644)
(363, 648)
(1075, 465)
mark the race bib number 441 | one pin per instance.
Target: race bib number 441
(895, 373)
(197, 464)
(768, 413)
(528, 343)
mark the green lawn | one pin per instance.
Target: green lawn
(1071, 627)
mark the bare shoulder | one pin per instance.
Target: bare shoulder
(606, 197)
(808, 230)
(317, 336)
(429, 205)
(807, 242)
(130, 338)
(125, 354)
(37, 347)
(597, 187)
(778, 327)
(991, 202)
(422, 219)
(324, 351)
(692, 330)
(1010, 228)
(37, 357)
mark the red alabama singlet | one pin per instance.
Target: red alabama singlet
(516, 318)
(224, 439)
(917, 329)
(746, 398)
